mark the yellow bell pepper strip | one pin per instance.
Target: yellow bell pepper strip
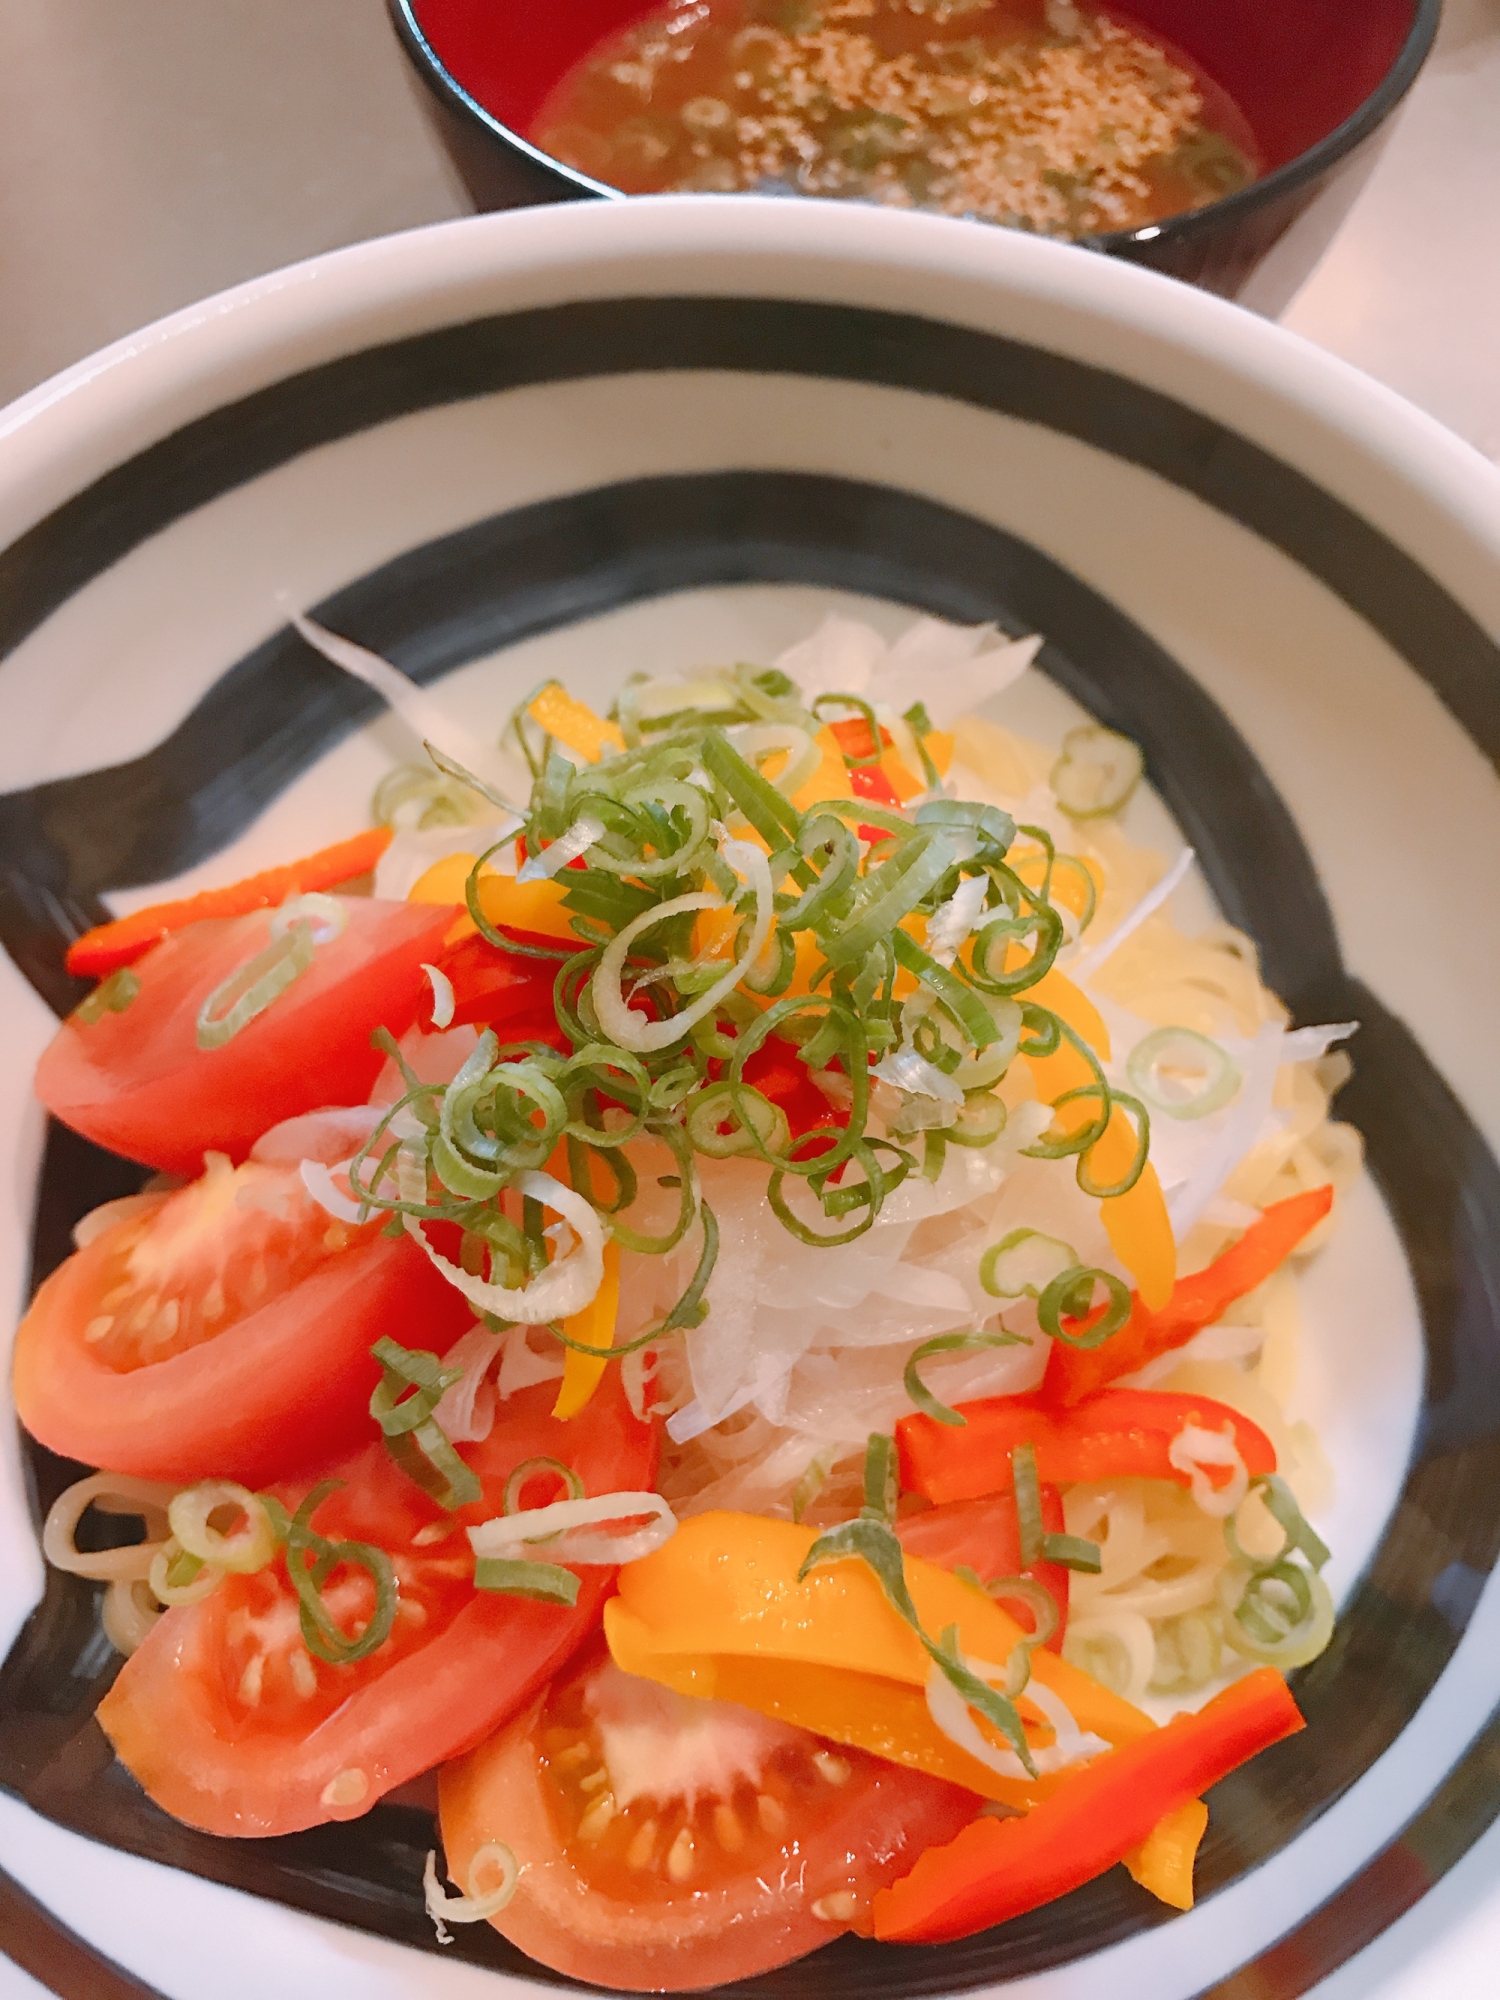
(534, 909)
(107, 947)
(574, 723)
(998, 1869)
(595, 1327)
(1137, 1222)
(829, 781)
(1163, 1863)
(1197, 1301)
(718, 1611)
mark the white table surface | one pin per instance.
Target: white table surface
(152, 151)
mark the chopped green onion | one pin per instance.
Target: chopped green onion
(311, 1559)
(1028, 1504)
(548, 1583)
(1097, 772)
(813, 1480)
(949, 1343)
(882, 1487)
(1024, 1263)
(1072, 1293)
(1073, 1552)
(248, 992)
(532, 1468)
(1037, 1598)
(411, 1386)
(1183, 1073)
(110, 996)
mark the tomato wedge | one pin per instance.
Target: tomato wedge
(668, 1843)
(1118, 1434)
(137, 1081)
(223, 1332)
(501, 990)
(232, 1724)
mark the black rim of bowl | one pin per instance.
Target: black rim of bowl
(1296, 174)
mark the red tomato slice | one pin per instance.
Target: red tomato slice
(224, 1332)
(667, 1843)
(138, 1082)
(232, 1724)
(985, 1536)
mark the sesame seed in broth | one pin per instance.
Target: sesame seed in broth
(1037, 113)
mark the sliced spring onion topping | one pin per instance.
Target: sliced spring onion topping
(312, 1560)
(1195, 1450)
(248, 992)
(1277, 1609)
(547, 1583)
(535, 1468)
(411, 1386)
(221, 1523)
(110, 996)
(949, 1343)
(1183, 1073)
(1024, 1263)
(442, 995)
(872, 1540)
(481, 1903)
(1096, 773)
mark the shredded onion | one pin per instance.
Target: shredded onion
(473, 1908)
(952, 925)
(465, 1414)
(913, 1073)
(1193, 1449)
(1085, 967)
(578, 839)
(442, 996)
(566, 1518)
(325, 1190)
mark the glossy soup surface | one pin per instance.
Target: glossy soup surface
(1035, 113)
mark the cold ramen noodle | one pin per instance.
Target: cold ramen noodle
(1048, 117)
(726, 1278)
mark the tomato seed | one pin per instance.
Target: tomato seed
(304, 1674)
(642, 1847)
(680, 1860)
(594, 1780)
(347, 1789)
(251, 1680)
(97, 1328)
(591, 1827)
(834, 1769)
(771, 1814)
(727, 1829)
(839, 1908)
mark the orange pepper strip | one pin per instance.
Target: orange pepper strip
(998, 1869)
(1163, 1863)
(718, 1612)
(107, 947)
(1137, 1222)
(1074, 1372)
(1118, 1434)
(595, 1327)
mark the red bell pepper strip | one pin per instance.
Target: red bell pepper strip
(503, 991)
(999, 1868)
(1196, 1302)
(107, 947)
(1118, 1434)
(985, 1536)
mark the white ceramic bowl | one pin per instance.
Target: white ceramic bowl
(677, 430)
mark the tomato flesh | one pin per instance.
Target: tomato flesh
(224, 1333)
(233, 1724)
(668, 1843)
(138, 1083)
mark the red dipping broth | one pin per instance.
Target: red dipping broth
(1297, 69)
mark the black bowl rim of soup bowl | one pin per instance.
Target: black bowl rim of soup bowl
(1271, 188)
